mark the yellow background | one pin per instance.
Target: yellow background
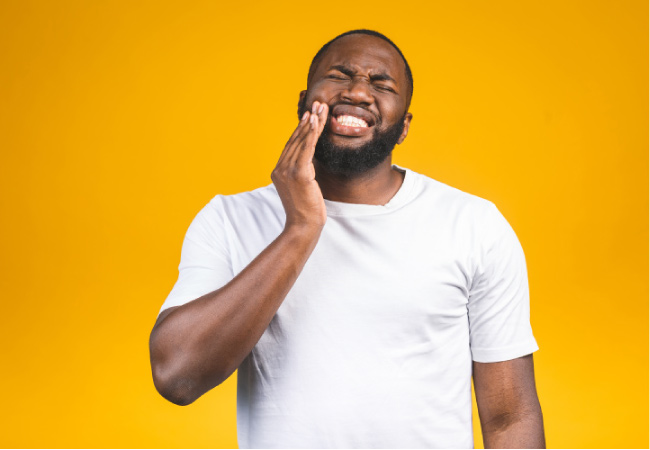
(119, 120)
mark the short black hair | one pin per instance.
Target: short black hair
(323, 49)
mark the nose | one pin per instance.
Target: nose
(357, 92)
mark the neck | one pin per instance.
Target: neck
(374, 187)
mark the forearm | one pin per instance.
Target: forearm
(523, 431)
(198, 345)
(506, 396)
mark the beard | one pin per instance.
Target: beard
(349, 162)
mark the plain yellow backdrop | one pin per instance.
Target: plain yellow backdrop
(119, 120)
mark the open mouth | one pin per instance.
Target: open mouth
(351, 121)
(349, 126)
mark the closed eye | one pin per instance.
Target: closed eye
(384, 88)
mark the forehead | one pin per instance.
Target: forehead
(365, 53)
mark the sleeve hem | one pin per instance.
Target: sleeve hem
(487, 355)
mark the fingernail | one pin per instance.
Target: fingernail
(314, 107)
(304, 116)
(321, 108)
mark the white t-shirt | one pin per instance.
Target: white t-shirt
(373, 345)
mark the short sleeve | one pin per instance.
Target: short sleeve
(499, 303)
(205, 263)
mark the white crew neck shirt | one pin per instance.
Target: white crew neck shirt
(373, 345)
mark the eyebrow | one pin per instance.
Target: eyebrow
(383, 76)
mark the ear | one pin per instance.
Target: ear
(407, 123)
(301, 102)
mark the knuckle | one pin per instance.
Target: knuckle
(302, 176)
(278, 174)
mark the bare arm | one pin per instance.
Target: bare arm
(196, 346)
(510, 413)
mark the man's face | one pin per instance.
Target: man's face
(363, 81)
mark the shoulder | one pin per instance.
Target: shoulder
(245, 210)
(256, 212)
(469, 217)
(450, 200)
(260, 199)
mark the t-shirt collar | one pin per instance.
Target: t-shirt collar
(401, 197)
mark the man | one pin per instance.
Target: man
(355, 297)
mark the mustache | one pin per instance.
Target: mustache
(330, 108)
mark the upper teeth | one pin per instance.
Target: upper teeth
(351, 121)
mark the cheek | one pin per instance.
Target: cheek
(393, 108)
(323, 92)
(391, 111)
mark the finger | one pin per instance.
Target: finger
(308, 146)
(323, 112)
(304, 122)
(315, 130)
(304, 141)
(305, 129)
(314, 107)
(302, 128)
(320, 122)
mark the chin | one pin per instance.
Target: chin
(345, 144)
(352, 156)
(352, 141)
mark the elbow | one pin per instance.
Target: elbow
(167, 371)
(176, 375)
(169, 378)
(176, 389)
(176, 382)
(179, 390)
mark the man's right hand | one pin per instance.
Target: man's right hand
(294, 176)
(196, 346)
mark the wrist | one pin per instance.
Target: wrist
(303, 231)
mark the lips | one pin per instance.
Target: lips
(353, 121)
(355, 112)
